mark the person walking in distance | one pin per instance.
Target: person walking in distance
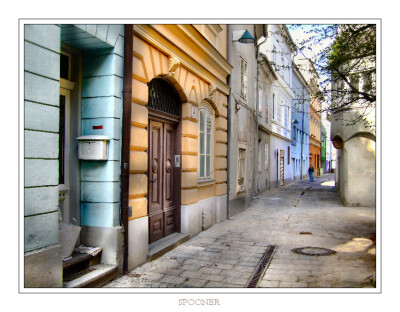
(311, 173)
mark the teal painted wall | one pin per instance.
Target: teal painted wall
(102, 48)
(102, 83)
(41, 124)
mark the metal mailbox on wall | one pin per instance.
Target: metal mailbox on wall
(93, 147)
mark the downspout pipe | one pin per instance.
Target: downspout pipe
(302, 136)
(126, 138)
(228, 184)
(228, 179)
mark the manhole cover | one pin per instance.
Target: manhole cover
(314, 251)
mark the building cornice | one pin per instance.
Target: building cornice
(280, 136)
(263, 128)
(292, 45)
(285, 87)
(267, 67)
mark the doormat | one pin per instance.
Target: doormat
(261, 267)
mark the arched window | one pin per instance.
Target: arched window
(206, 142)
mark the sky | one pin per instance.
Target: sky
(299, 34)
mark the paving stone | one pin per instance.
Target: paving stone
(213, 284)
(292, 285)
(238, 274)
(268, 283)
(210, 277)
(281, 278)
(190, 267)
(228, 252)
(251, 264)
(190, 274)
(150, 276)
(200, 263)
(172, 279)
(242, 268)
(194, 282)
(277, 271)
(224, 266)
(236, 281)
(208, 270)
(174, 272)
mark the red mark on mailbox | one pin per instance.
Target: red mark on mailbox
(97, 127)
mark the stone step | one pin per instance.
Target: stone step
(95, 276)
(163, 245)
(78, 263)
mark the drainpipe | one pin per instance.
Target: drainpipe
(126, 138)
(228, 180)
(302, 135)
(228, 183)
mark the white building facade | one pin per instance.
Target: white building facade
(241, 120)
(279, 95)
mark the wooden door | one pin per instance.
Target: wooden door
(162, 208)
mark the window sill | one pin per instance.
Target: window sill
(205, 182)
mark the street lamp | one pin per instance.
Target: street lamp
(243, 36)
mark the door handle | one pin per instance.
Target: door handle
(153, 180)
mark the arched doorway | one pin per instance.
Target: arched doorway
(164, 162)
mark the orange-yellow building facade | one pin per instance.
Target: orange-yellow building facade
(315, 134)
(190, 61)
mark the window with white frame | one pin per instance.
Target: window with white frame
(274, 106)
(286, 117)
(243, 78)
(260, 101)
(282, 113)
(206, 124)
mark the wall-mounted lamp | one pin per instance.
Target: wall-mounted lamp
(243, 36)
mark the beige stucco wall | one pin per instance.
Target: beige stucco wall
(358, 176)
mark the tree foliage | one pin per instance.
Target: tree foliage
(344, 57)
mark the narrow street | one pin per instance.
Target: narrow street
(302, 214)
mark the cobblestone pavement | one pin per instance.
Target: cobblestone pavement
(302, 214)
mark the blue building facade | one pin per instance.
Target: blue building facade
(300, 124)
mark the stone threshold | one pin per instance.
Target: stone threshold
(98, 277)
(165, 244)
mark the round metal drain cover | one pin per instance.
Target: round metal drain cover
(314, 251)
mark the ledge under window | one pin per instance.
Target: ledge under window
(205, 182)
